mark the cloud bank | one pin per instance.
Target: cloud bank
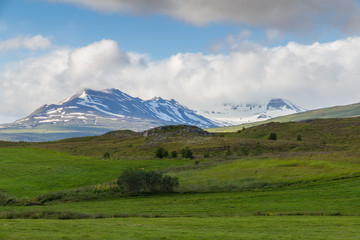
(31, 43)
(311, 76)
(282, 15)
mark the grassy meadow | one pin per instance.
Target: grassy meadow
(240, 185)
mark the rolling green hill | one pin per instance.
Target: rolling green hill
(236, 179)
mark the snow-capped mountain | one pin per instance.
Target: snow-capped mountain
(233, 114)
(114, 109)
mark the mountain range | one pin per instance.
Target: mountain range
(93, 112)
(234, 114)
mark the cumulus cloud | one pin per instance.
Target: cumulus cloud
(311, 76)
(282, 15)
(32, 43)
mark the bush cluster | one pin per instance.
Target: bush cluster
(6, 199)
(137, 181)
(187, 153)
(163, 153)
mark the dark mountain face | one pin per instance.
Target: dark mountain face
(115, 109)
(278, 103)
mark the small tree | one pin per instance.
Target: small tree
(187, 153)
(299, 138)
(272, 136)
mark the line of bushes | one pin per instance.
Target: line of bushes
(136, 181)
(163, 153)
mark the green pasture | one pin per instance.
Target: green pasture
(266, 172)
(299, 227)
(338, 197)
(29, 172)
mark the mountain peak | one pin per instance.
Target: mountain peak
(232, 114)
(114, 109)
(157, 99)
(279, 103)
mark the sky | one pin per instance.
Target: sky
(202, 53)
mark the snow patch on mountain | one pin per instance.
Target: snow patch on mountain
(233, 114)
(112, 108)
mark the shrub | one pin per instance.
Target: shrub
(165, 153)
(272, 136)
(243, 151)
(161, 152)
(174, 154)
(299, 138)
(228, 153)
(206, 155)
(6, 199)
(258, 149)
(107, 155)
(187, 153)
(137, 181)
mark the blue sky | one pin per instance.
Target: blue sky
(74, 26)
(158, 35)
(236, 50)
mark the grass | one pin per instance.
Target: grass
(300, 227)
(291, 189)
(266, 172)
(338, 197)
(29, 172)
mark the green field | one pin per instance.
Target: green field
(299, 227)
(239, 186)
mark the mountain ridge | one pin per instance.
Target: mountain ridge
(95, 112)
(233, 114)
(342, 111)
(109, 105)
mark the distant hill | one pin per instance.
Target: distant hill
(352, 110)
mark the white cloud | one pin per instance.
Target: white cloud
(283, 15)
(22, 42)
(311, 76)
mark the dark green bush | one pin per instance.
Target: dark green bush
(272, 136)
(6, 199)
(258, 150)
(137, 181)
(228, 153)
(243, 151)
(299, 138)
(174, 154)
(107, 155)
(187, 153)
(161, 152)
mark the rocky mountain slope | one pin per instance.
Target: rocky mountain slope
(112, 107)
